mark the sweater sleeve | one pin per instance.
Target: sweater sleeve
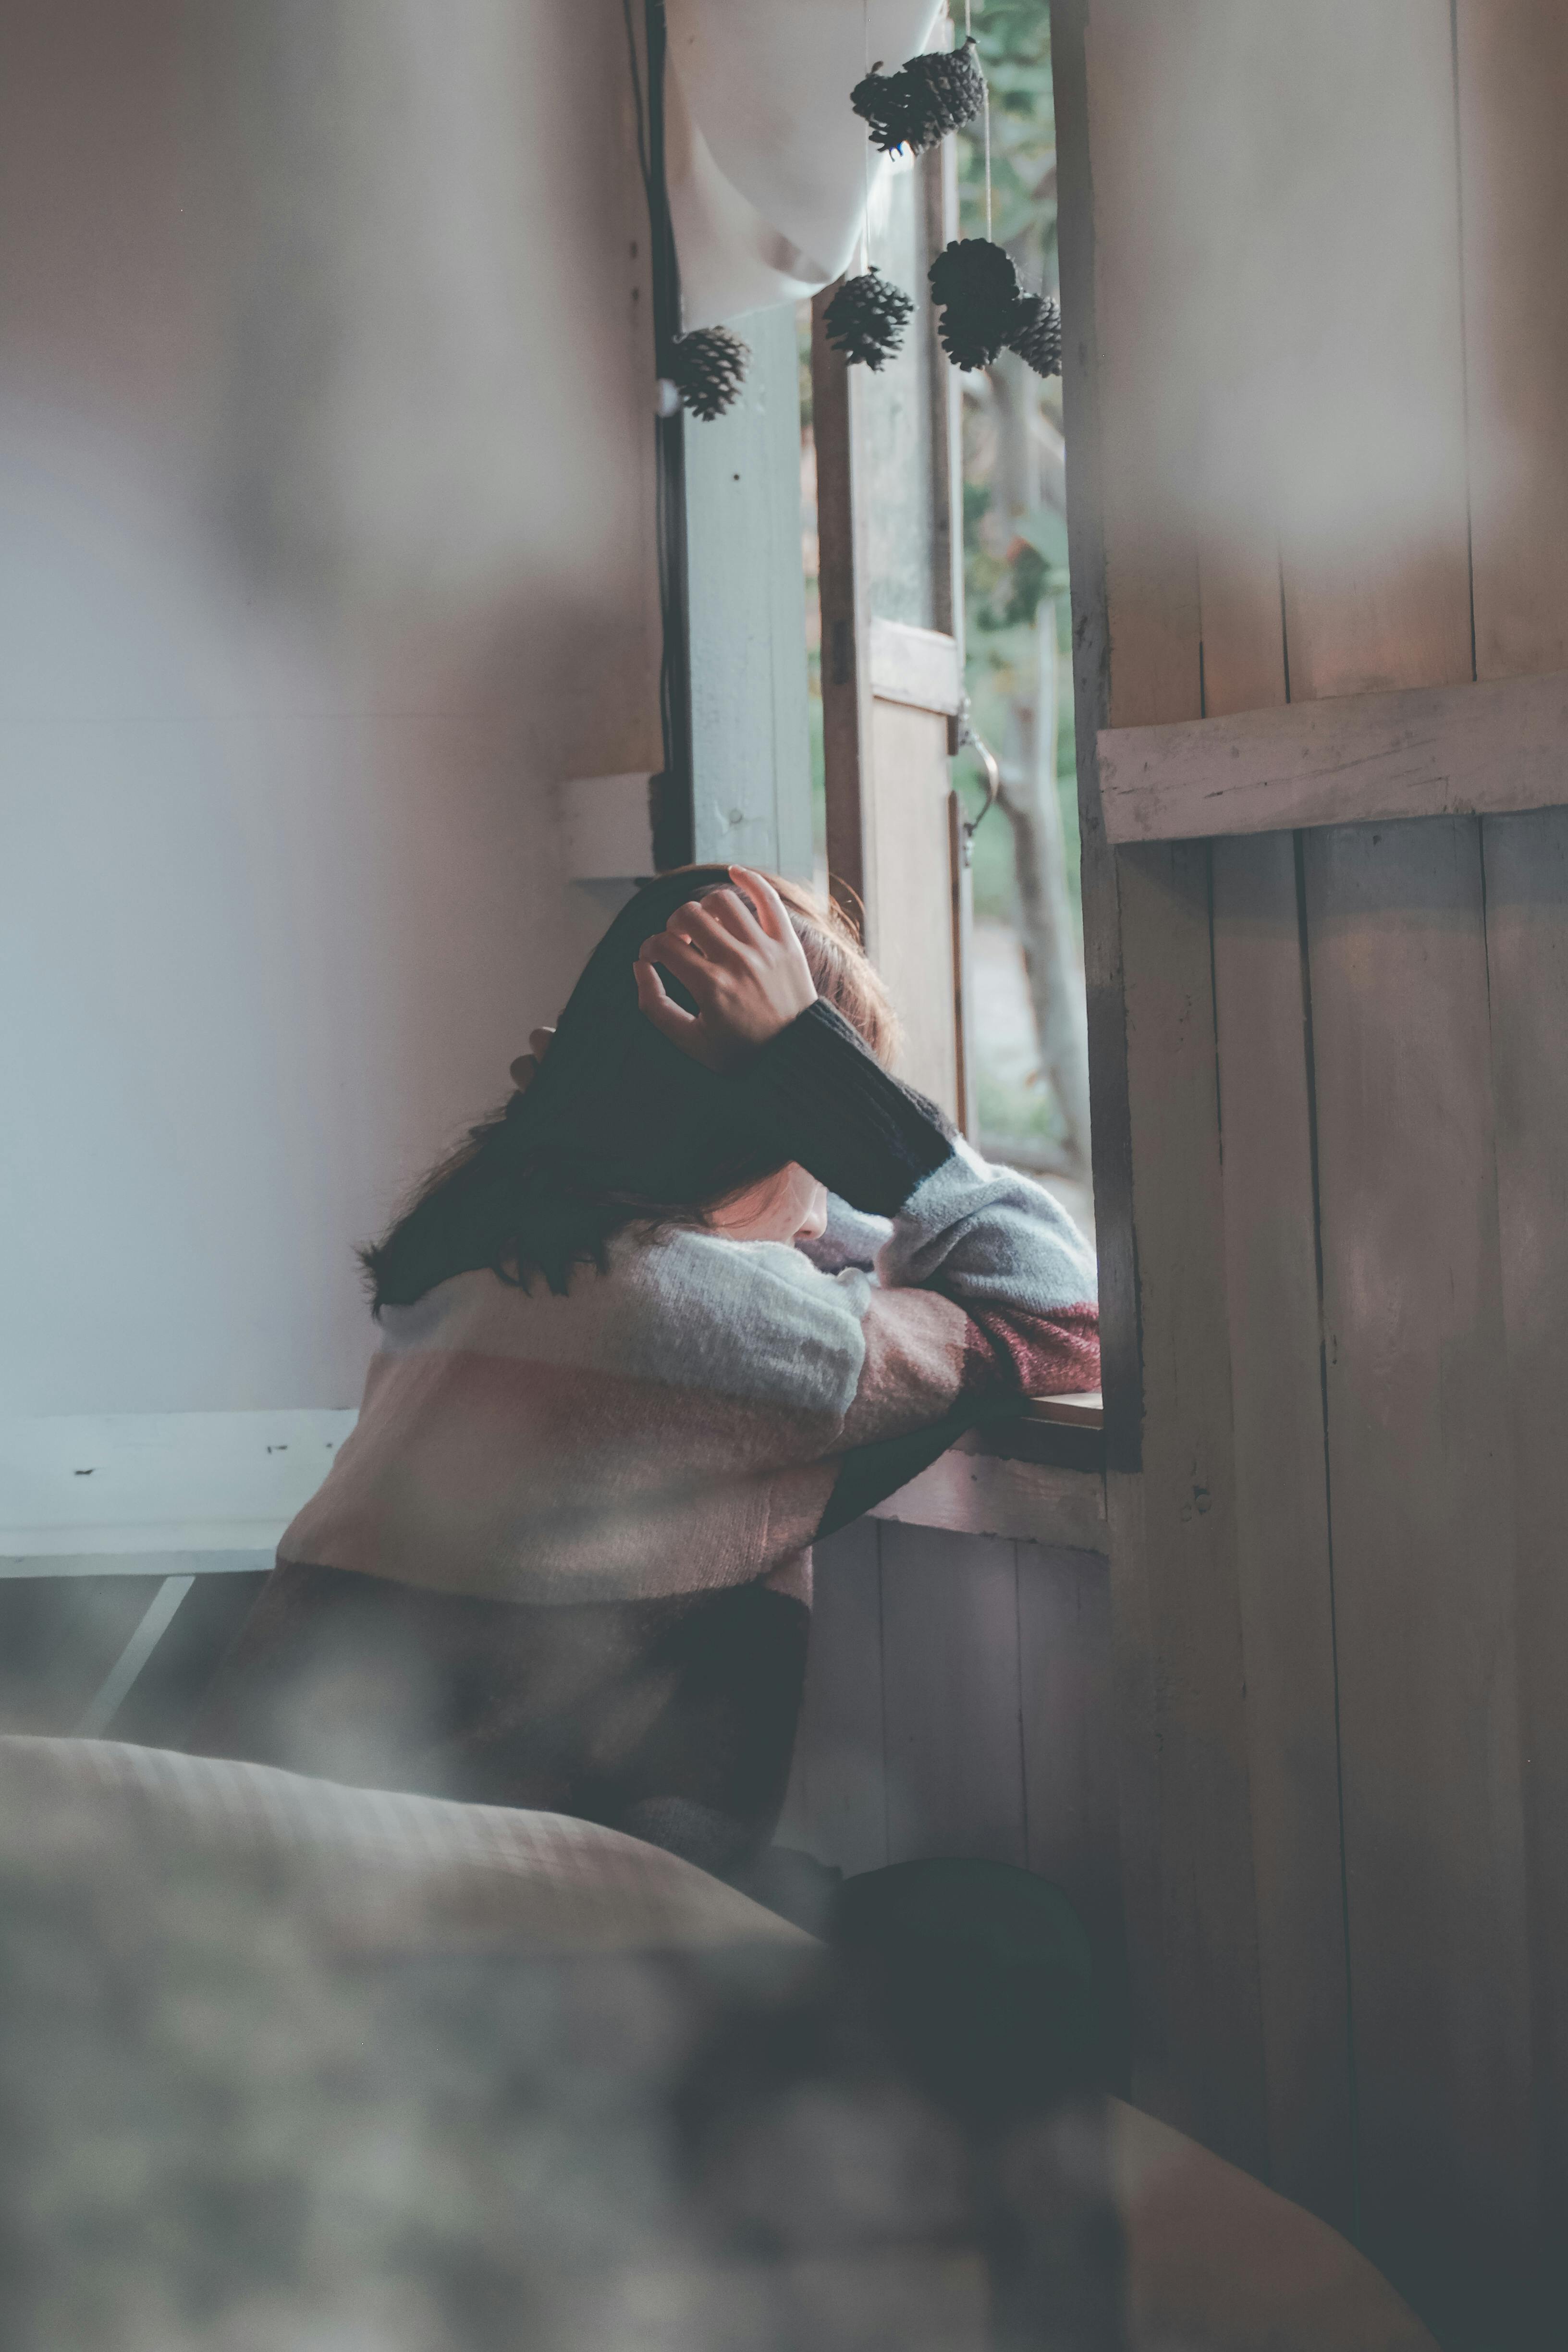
(817, 1096)
(982, 1286)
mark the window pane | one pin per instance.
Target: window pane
(898, 417)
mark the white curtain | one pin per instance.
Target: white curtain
(766, 160)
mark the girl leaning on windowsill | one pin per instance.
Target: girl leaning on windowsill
(711, 1283)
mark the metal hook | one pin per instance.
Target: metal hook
(988, 760)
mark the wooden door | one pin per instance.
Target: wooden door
(1316, 363)
(892, 659)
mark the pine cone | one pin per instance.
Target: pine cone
(867, 317)
(881, 100)
(943, 90)
(1038, 338)
(708, 368)
(976, 287)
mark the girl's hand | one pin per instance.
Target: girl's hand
(747, 971)
(525, 1070)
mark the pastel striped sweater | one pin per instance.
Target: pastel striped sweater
(684, 1421)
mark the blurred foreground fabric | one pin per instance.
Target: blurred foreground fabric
(286, 2064)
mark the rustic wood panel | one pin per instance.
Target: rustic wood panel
(1211, 2080)
(1281, 1504)
(909, 874)
(1420, 1513)
(1513, 91)
(1286, 1575)
(1423, 1534)
(1513, 97)
(1071, 1831)
(1186, 1833)
(1426, 751)
(1526, 963)
(950, 1694)
(837, 1804)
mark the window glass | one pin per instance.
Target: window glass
(1029, 1042)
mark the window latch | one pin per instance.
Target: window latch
(988, 760)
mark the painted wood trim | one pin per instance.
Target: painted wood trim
(750, 761)
(1495, 748)
(840, 582)
(134, 1485)
(990, 1494)
(920, 666)
(23, 1567)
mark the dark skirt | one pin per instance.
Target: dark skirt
(673, 1719)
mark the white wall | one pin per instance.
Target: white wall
(325, 548)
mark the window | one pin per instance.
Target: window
(934, 507)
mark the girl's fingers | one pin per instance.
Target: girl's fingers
(730, 909)
(524, 1070)
(705, 927)
(680, 957)
(771, 913)
(539, 1042)
(661, 1008)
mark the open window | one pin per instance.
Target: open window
(947, 803)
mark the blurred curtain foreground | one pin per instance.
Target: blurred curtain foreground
(284, 2064)
(767, 165)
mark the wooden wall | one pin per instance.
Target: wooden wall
(1316, 391)
(957, 1702)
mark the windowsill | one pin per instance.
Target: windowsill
(1038, 1477)
(1067, 1431)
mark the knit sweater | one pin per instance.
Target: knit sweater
(690, 1415)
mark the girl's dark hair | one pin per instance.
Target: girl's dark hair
(619, 1126)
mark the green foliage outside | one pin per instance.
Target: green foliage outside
(1003, 587)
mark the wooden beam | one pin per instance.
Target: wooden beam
(922, 667)
(985, 1494)
(1357, 759)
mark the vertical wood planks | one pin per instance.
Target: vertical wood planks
(1420, 1523)
(1512, 58)
(1286, 1577)
(1281, 1500)
(1183, 1545)
(1527, 960)
(1513, 89)
(954, 1755)
(837, 1804)
(1423, 1533)
(1070, 1746)
(1187, 1840)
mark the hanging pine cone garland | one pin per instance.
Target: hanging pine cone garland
(879, 101)
(867, 317)
(943, 89)
(975, 287)
(1037, 339)
(923, 100)
(708, 368)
